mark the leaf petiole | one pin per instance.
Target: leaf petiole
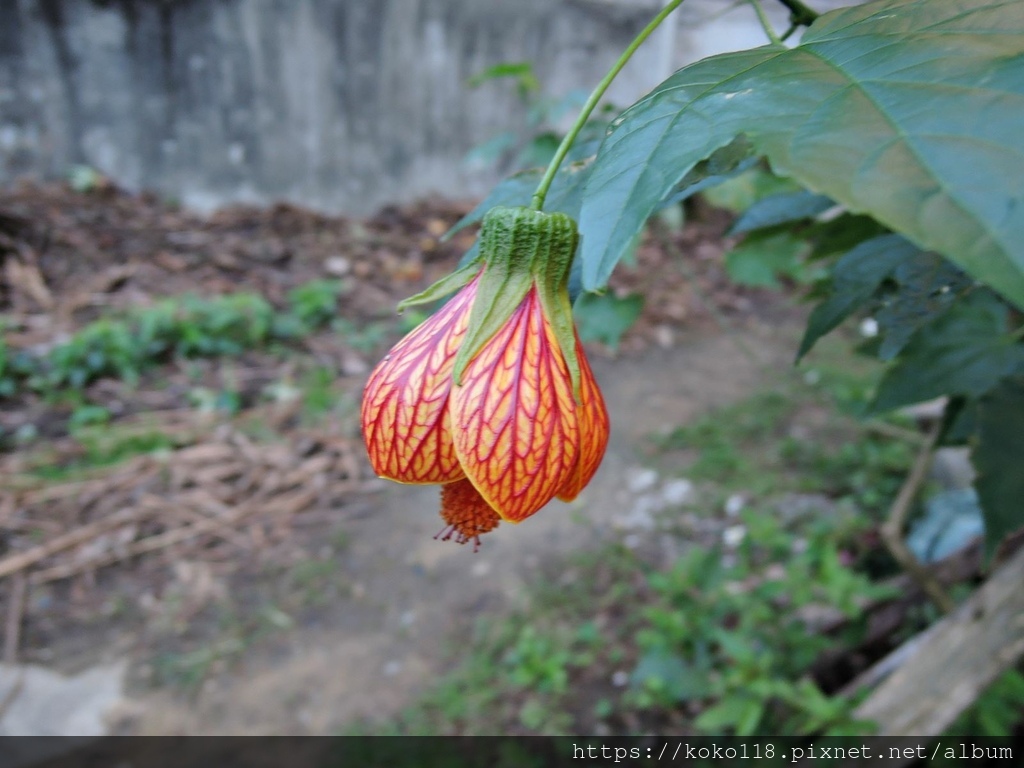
(765, 24)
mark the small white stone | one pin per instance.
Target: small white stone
(812, 376)
(338, 266)
(733, 535)
(734, 588)
(639, 479)
(735, 504)
(480, 568)
(353, 365)
(676, 492)
(665, 337)
(620, 678)
(869, 327)
(641, 514)
(392, 668)
(407, 619)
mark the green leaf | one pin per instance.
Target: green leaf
(490, 151)
(907, 110)
(520, 71)
(680, 680)
(725, 164)
(605, 317)
(724, 715)
(783, 208)
(959, 421)
(760, 259)
(539, 150)
(755, 183)
(845, 232)
(855, 278)
(964, 352)
(752, 715)
(927, 286)
(997, 457)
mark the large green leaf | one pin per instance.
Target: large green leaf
(762, 257)
(605, 317)
(855, 277)
(996, 457)
(964, 352)
(782, 208)
(926, 286)
(908, 110)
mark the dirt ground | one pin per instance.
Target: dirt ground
(388, 618)
(375, 648)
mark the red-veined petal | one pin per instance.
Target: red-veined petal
(592, 417)
(514, 418)
(404, 412)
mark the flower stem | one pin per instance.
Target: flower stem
(537, 202)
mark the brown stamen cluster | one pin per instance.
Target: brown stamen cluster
(467, 514)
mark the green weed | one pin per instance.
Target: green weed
(183, 327)
(103, 446)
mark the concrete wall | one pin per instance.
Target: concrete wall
(338, 104)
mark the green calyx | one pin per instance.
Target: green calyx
(444, 286)
(522, 248)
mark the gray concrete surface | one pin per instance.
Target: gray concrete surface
(40, 702)
(342, 105)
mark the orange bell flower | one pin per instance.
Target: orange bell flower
(492, 396)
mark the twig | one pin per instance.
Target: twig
(12, 637)
(892, 528)
(23, 560)
(955, 569)
(900, 433)
(149, 544)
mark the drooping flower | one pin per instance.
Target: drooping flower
(492, 396)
